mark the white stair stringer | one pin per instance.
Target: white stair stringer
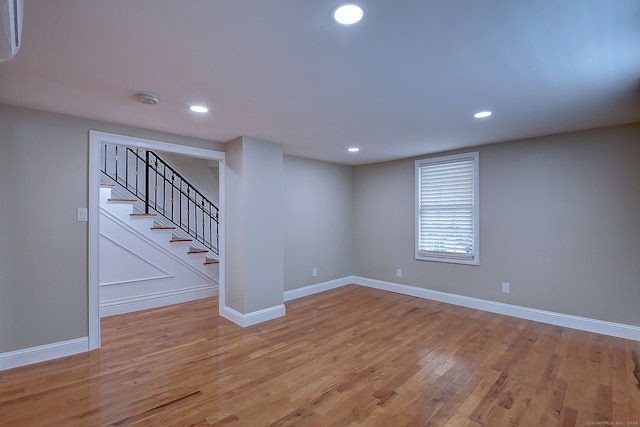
(140, 268)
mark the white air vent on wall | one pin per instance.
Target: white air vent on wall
(10, 28)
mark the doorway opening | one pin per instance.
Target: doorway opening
(96, 141)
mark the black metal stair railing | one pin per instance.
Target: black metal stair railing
(164, 191)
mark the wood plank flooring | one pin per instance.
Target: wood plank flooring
(350, 356)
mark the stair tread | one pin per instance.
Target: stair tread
(197, 251)
(115, 200)
(124, 200)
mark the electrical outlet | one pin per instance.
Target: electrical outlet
(506, 287)
(398, 272)
(314, 272)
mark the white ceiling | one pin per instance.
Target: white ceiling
(404, 81)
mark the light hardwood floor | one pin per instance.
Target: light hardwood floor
(351, 356)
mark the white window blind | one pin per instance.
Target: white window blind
(447, 208)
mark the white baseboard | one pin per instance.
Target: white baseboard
(319, 287)
(79, 345)
(559, 319)
(253, 318)
(27, 356)
(158, 299)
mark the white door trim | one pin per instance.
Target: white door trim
(96, 139)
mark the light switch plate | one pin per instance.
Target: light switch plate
(83, 215)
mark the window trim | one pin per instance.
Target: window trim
(475, 156)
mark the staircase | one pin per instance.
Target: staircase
(146, 261)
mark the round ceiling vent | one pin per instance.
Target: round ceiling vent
(148, 98)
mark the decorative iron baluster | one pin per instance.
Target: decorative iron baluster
(173, 200)
(204, 237)
(211, 222)
(154, 163)
(116, 159)
(203, 209)
(146, 182)
(137, 171)
(188, 209)
(164, 183)
(126, 170)
(195, 218)
(180, 203)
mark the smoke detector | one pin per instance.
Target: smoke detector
(147, 98)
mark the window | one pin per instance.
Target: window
(447, 209)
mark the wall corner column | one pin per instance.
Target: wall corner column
(254, 288)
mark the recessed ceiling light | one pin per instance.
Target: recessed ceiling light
(199, 109)
(482, 114)
(353, 149)
(348, 13)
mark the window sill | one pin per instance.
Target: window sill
(449, 260)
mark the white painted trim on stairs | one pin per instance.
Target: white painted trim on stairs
(156, 299)
(41, 353)
(166, 274)
(140, 280)
(253, 318)
(151, 242)
(318, 287)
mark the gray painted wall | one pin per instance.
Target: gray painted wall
(197, 171)
(234, 246)
(558, 220)
(254, 225)
(318, 221)
(43, 250)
